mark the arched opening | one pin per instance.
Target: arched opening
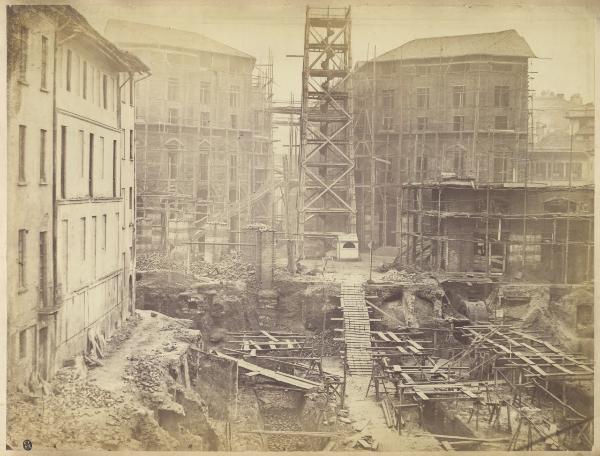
(560, 205)
(349, 245)
(455, 160)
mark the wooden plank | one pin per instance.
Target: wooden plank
(393, 336)
(422, 395)
(382, 336)
(269, 336)
(277, 376)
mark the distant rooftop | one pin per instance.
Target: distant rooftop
(126, 32)
(507, 43)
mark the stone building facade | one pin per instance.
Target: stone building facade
(71, 184)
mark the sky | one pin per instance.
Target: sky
(560, 33)
(561, 36)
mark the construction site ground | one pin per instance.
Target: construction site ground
(108, 407)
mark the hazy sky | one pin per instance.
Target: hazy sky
(563, 36)
(561, 33)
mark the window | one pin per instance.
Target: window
(114, 170)
(103, 232)
(105, 91)
(91, 166)
(577, 172)
(23, 344)
(63, 162)
(558, 170)
(173, 116)
(501, 96)
(22, 257)
(85, 79)
(205, 119)
(44, 64)
(117, 223)
(388, 100)
(501, 123)
(43, 156)
(458, 96)
(94, 242)
(173, 165)
(82, 152)
(501, 67)
(232, 167)
(423, 70)
(233, 121)
(23, 49)
(69, 64)
(388, 123)
(65, 252)
(98, 95)
(205, 92)
(131, 91)
(422, 123)
(203, 167)
(423, 97)
(22, 145)
(458, 123)
(173, 89)
(539, 170)
(458, 67)
(102, 157)
(43, 279)
(174, 59)
(258, 121)
(234, 96)
(83, 236)
(130, 198)
(131, 143)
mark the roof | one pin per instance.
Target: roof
(507, 43)
(73, 23)
(127, 32)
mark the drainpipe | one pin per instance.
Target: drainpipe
(55, 294)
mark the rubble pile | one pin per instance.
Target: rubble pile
(77, 414)
(283, 420)
(258, 227)
(75, 394)
(231, 267)
(156, 261)
(422, 278)
(331, 347)
(145, 373)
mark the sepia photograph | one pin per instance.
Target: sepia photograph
(270, 226)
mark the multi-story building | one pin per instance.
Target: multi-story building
(565, 155)
(448, 161)
(71, 186)
(203, 146)
(550, 110)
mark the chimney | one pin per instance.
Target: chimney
(576, 99)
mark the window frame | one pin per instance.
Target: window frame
(423, 95)
(44, 64)
(501, 96)
(459, 102)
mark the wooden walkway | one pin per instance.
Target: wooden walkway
(357, 329)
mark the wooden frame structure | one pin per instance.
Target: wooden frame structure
(326, 181)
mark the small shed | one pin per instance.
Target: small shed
(347, 246)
